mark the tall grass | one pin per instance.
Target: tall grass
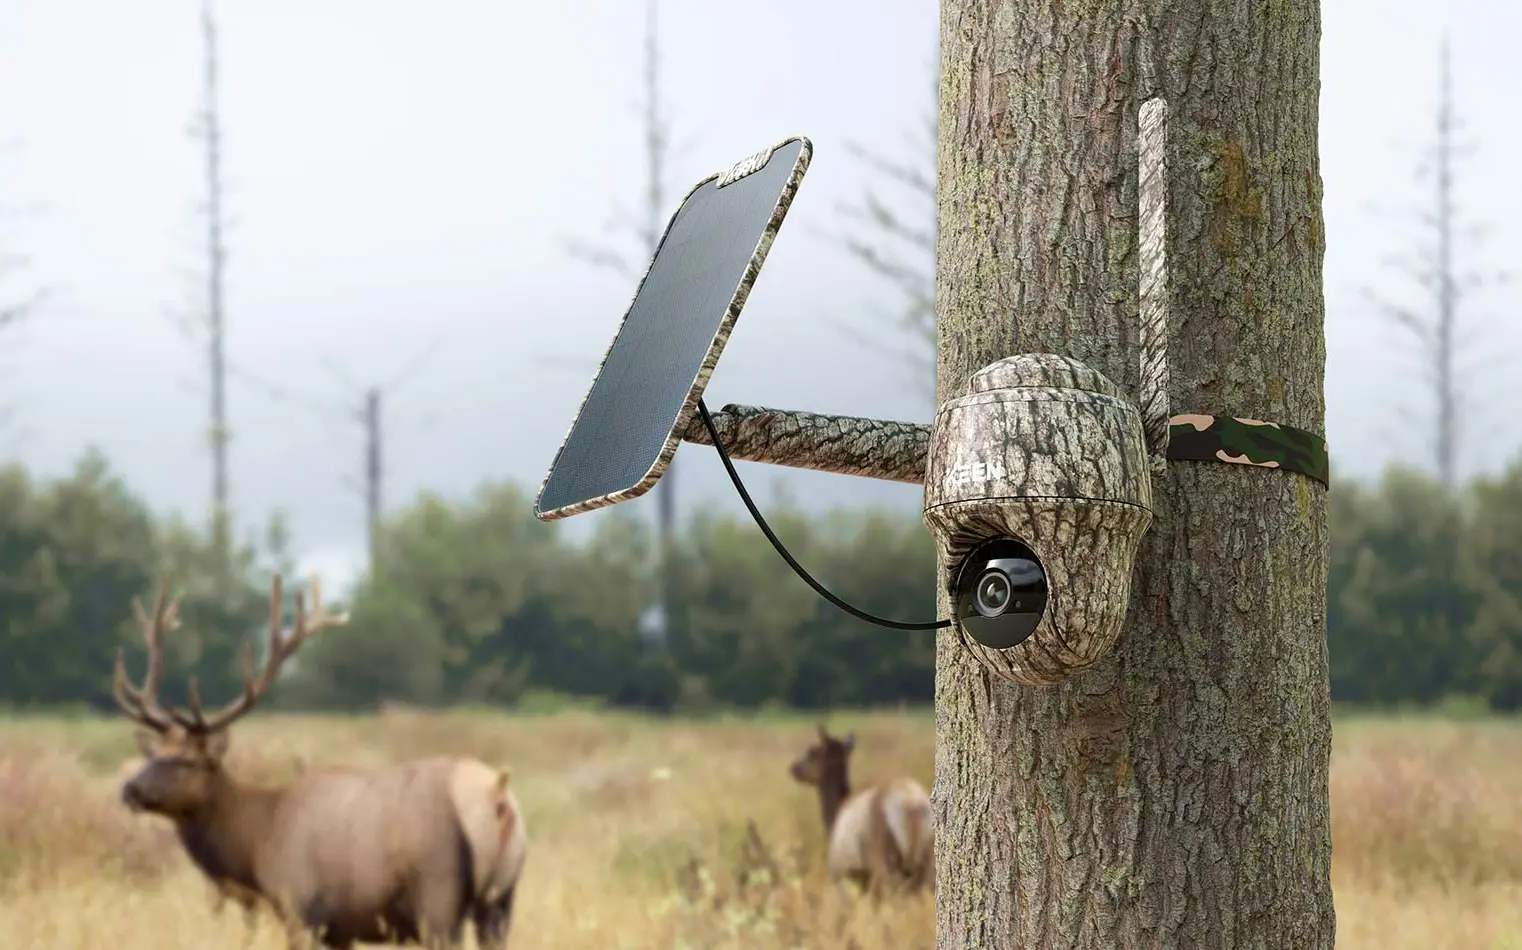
(692, 835)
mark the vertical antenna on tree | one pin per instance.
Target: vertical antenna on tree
(1153, 200)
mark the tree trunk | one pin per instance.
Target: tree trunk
(1176, 794)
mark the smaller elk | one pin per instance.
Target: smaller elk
(880, 838)
(403, 854)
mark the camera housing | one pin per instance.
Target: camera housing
(1041, 468)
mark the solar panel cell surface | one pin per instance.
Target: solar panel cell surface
(627, 429)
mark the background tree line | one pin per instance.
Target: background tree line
(477, 602)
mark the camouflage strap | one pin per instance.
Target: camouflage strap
(1198, 438)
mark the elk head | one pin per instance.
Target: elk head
(184, 747)
(825, 762)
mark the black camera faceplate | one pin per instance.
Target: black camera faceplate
(1028, 593)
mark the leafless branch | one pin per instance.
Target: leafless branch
(16, 312)
(342, 375)
(188, 325)
(281, 392)
(912, 355)
(1403, 317)
(872, 211)
(911, 176)
(898, 246)
(411, 369)
(598, 256)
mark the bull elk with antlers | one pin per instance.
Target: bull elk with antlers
(405, 853)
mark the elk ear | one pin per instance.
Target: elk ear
(850, 742)
(824, 736)
(147, 742)
(215, 744)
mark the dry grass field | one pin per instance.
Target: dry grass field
(692, 835)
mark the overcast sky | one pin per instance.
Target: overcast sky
(400, 183)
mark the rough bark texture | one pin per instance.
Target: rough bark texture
(1175, 795)
(1045, 450)
(846, 445)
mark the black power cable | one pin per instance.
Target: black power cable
(734, 476)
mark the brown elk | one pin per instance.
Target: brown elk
(880, 838)
(405, 853)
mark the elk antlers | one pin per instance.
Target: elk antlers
(141, 703)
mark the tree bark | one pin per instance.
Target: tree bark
(1176, 794)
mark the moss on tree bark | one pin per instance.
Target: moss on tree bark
(1176, 794)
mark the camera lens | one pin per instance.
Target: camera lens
(993, 593)
(1000, 593)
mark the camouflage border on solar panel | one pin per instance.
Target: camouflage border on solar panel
(716, 347)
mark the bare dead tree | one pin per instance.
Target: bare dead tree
(11, 316)
(363, 407)
(367, 412)
(647, 227)
(14, 310)
(205, 324)
(1442, 286)
(893, 237)
(375, 470)
(216, 259)
(15, 307)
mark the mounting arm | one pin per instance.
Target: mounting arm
(896, 451)
(845, 445)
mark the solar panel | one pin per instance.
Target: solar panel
(630, 423)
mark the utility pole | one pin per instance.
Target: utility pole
(1175, 794)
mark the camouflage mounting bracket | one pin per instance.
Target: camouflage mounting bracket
(897, 451)
(1037, 479)
(1045, 459)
